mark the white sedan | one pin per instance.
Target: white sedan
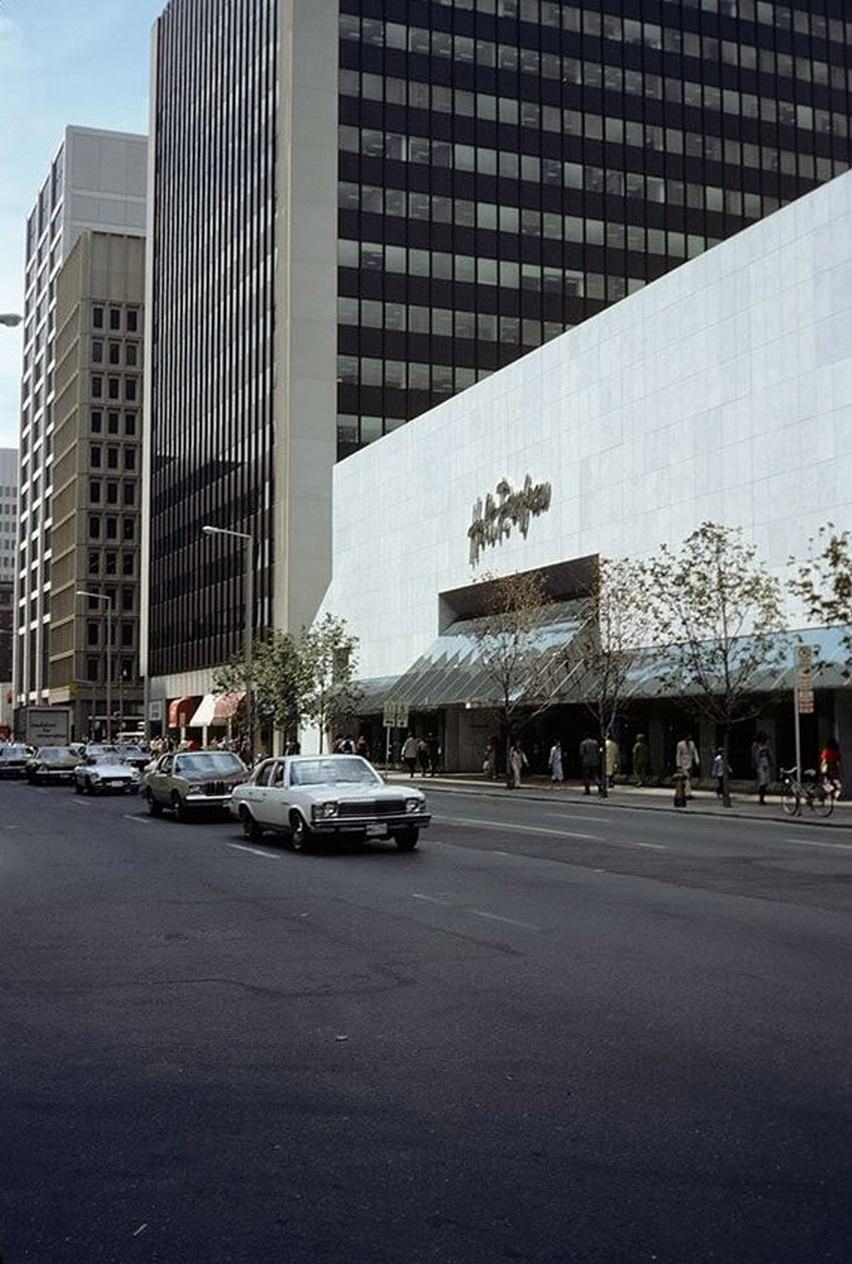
(100, 773)
(310, 796)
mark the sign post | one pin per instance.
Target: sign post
(395, 717)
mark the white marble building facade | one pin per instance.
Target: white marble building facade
(721, 392)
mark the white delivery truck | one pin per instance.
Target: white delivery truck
(46, 726)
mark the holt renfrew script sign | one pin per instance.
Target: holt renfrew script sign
(506, 508)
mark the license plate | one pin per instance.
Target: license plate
(375, 831)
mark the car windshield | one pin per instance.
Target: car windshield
(101, 750)
(55, 752)
(333, 772)
(208, 761)
(14, 752)
(104, 757)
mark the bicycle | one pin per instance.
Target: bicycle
(817, 791)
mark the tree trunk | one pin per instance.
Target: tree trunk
(726, 786)
(603, 784)
(510, 776)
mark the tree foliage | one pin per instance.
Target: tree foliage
(824, 582)
(277, 678)
(615, 630)
(717, 618)
(307, 678)
(508, 654)
(327, 651)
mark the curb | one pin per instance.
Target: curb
(531, 796)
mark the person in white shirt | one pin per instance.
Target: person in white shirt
(686, 761)
(409, 753)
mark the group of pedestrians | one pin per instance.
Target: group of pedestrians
(423, 753)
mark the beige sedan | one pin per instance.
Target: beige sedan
(192, 781)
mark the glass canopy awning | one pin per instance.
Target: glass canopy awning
(453, 671)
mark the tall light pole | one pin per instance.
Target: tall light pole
(81, 592)
(248, 542)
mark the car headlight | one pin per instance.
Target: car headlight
(94, 776)
(323, 811)
(414, 805)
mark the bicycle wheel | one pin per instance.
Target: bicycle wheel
(822, 801)
(790, 800)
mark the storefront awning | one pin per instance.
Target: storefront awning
(216, 709)
(180, 709)
(454, 670)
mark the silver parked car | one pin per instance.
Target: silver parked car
(192, 781)
(14, 760)
(98, 774)
(310, 796)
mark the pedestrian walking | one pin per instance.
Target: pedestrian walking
(489, 763)
(423, 756)
(434, 754)
(641, 760)
(517, 764)
(687, 761)
(409, 753)
(764, 765)
(362, 747)
(717, 770)
(829, 766)
(589, 762)
(613, 762)
(554, 762)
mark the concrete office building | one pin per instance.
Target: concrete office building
(8, 551)
(97, 179)
(720, 393)
(396, 203)
(97, 461)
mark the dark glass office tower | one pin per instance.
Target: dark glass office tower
(509, 167)
(361, 207)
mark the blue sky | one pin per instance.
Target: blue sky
(87, 63)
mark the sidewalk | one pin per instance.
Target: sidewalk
(648, 798)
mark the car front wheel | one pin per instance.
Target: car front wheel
(300, 835)
(406, 839)
(78, 789)
(154, 808)
(179, 807)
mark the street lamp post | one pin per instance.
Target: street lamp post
(248, 542)
(81, 592)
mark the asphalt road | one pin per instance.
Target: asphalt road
(553, 1033)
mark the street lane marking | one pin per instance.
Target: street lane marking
(519, 829)
(807, 842)
(129, 816)
(655, 846)
(430, 899)
(254, 851)
(495, 917)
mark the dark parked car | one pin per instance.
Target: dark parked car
(136, 756)
(52, 763)
(192, 781)
(13, 761)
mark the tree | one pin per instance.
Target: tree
(327, 651)
(277, 678)
(615, 631)
(507, 651)
(717, 616)
(824, 583)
